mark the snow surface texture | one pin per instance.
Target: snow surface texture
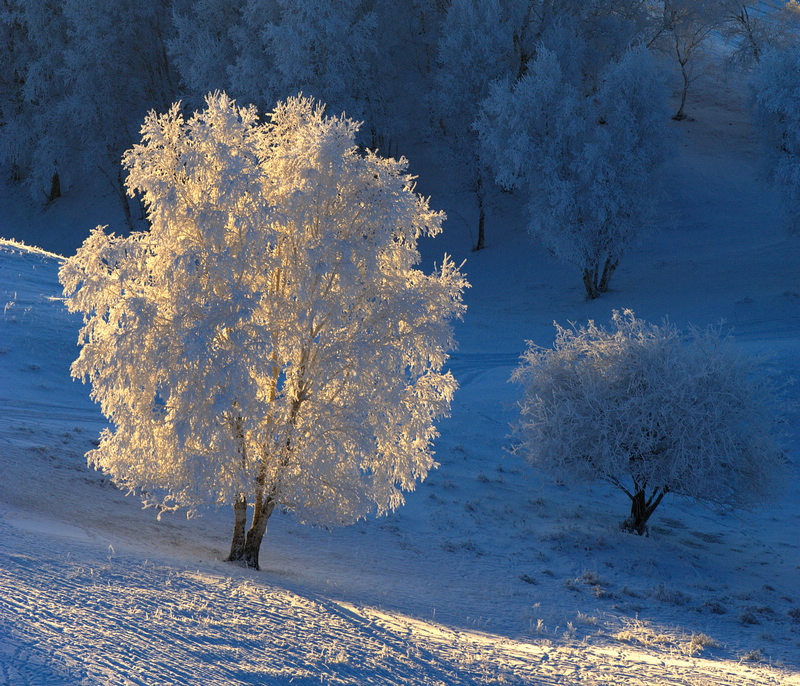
(491, 573)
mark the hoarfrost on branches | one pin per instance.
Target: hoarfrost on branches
(83, 74)
(651, 412)
(320, 48)
(683, 33)
(588, 163)
(476, 46)
(269, 341)
(754, 28)
(776, 96)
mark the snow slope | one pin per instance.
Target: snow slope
(491, 573)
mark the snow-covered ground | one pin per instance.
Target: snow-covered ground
(491, 573)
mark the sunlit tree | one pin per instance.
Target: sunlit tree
(269, 342)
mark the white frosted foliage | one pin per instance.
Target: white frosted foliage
(320, 48)
(270, 335)
(648, 410)
(776, 95)
(589, 164)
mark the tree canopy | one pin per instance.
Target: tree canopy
(269, 338)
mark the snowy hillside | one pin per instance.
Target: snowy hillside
(491, 573)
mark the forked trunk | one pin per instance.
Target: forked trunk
(637, 522)
(239, 523)
(642, 508)
(245, 547)
(596, 282)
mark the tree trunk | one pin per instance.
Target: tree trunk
(123, 198)
(641, 510)
(55, 188)
(240, 521)
(256, 533)
(680, 114)
(608, 270)
(481, 220)
(590, 283)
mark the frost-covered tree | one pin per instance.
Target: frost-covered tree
(475, 48)
(321, 48)
(588, 163)
(403, 62)
(202, 44)
(585, 36)
(269, 342)
(483, 41)
(360, 56)
(651, 412)
(118, 66)
(746, 26)
(35, 137)
(754, 27)
(84, 74)
(413, 28)
(682, 32)
(776, 96)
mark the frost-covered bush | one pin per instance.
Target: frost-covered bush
(650, 411)
(776, 96)
(269, 342)
(589, 164)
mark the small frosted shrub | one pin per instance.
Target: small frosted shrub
(650, 411)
